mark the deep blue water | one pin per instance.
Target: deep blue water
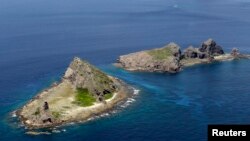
(38, 39)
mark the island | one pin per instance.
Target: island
(171, 59)
(83, 92)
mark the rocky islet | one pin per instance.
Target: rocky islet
(81, 94)
(171, 59)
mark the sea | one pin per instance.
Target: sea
(39, 38)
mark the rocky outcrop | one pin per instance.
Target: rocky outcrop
(165, 59)
(83, 75)
(211, 48)
(208, 49)
(235, 52)
(170, 59)
(192, 52)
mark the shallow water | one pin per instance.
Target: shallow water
(39, 38)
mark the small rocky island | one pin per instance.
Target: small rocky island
(83, 92)
(170, 58)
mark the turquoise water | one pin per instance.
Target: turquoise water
(39, 38)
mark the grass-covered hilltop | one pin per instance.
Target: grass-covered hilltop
(171, 59)
(83, 92)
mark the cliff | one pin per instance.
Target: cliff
(85, 76)
(83, 92)
(171, 59)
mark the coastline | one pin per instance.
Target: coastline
(77, 114)
(184, 63)
(219, 58)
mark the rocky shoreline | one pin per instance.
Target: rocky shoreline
(56, 105)
(171, 59)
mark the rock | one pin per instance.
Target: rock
(175, 49)
(211, 48)
(84, 75)
(106, 91)
(46, 106)
(208, 49)
(47, 120)
(202, 55)
(191, 52)
(173, 65)
(235, 52)
(165, 59)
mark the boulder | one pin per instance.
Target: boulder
(211, 48)
(235, 52)
(202, 55)
(191, 52)
(45, 106)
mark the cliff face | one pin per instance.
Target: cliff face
(83, 75)
(164, 59)
(170, 58)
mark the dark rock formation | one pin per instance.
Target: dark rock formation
(202, 55)
(207, 50)
(47, 120)
(191, 52)
(46, 106)
(211, 48)
(106, 91)
(235, 52)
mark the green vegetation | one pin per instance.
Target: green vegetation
(84, 98)
(37, 112)
(56, 114)
(108, 96)
(160, 54)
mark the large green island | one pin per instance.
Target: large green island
(83, 92)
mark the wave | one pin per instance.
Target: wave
(136, 92)
(56, 131)
(132, 99)
(13, 114)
